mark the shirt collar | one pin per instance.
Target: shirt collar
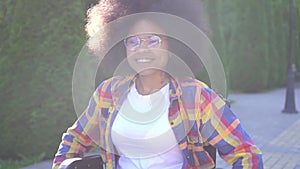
(121, 86)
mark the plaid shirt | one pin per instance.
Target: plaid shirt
(197, 116)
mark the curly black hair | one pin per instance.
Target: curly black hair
(106, 11)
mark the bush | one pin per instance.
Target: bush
(44, 39)
(252, 39)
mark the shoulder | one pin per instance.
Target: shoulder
(197, 88)
(194, 88)
(193, 84)
(104, 85)
(114, 83)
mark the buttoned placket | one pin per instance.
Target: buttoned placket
(118, 99)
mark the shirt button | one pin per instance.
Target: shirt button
(172, 123)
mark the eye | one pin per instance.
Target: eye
(132, 40)
(154, 40)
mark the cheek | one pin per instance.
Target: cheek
(130, 59)
(129, 55)
(164, 53)
(165, 59)
(162, 58)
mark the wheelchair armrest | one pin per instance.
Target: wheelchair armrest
(88, 162)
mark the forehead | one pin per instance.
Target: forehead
(145, 27)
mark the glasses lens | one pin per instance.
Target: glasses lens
(132, 42)
(153, 41)
(150, 41)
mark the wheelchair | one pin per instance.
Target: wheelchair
(95, 161)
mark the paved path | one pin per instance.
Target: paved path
(276, 133)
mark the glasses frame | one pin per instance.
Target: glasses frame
(140, 40)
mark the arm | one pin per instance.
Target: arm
(222, 129)
(83, 135)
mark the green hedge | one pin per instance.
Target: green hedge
(42, 41)
(252, 40)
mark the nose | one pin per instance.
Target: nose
(144, 44)
(143, 47)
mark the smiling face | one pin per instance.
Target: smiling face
(147, 53)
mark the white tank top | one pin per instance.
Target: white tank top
(142, 134)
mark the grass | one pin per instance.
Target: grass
(25, 161)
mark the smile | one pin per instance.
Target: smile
(144, 60)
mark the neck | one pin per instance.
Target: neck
(151, 83)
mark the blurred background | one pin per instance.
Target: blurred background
(40, 42)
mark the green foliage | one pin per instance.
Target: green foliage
(297, 35)
(252, 39)
(25, 161)
(43, 39)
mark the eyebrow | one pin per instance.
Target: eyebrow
(141, 34)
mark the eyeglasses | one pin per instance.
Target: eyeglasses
(149, 41)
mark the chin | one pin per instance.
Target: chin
(148, 72)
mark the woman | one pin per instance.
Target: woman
(154, 118)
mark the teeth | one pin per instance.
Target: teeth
(143, 60)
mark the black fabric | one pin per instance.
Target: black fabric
(89, 162)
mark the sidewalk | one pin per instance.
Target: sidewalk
(276, 133)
